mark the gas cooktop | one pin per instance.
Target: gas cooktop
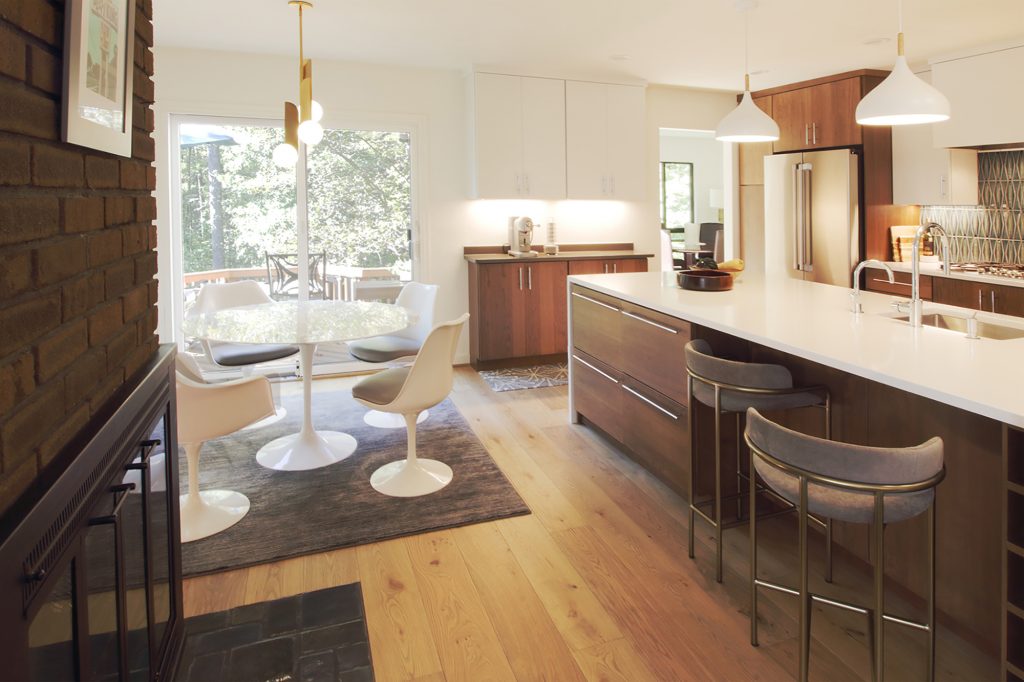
(1011, 270)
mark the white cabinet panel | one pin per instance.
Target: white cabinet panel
(520, 137)
(604, 141)
(543, 138)
(984, 96)
(586, 140)
(499, 136)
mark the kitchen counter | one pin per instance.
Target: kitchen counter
(935, 270)
(812, 321)
(561, 256)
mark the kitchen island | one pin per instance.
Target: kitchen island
(892, 385)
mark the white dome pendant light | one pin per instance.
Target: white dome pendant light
(746, 123)
(902, 98)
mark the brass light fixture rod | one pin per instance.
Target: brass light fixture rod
(291, 124)
(305, 68)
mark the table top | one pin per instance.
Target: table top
(299, 322)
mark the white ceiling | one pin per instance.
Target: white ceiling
(697, 43)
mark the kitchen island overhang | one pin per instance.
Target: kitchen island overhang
(892, 385)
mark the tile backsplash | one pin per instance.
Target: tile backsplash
(993, 231)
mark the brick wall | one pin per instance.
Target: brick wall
(77, 240)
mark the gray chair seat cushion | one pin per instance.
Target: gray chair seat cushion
(383, 348)
(238, 354)
(383, 387)
(701, 361)
(845, 462)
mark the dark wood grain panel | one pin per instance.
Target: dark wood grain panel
(877, 280)
(792, 110)
(652, 350)
(833, 106)
(960, 292)
(597, 395)
(656, 433)
(501, 311)
(546, 321)
(597, 325)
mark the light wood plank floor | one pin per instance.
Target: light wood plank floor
(594, 585)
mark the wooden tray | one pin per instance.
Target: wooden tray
(705, 280)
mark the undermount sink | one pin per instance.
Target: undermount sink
(986, 330)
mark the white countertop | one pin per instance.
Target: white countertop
(813, 321)
(935, 270)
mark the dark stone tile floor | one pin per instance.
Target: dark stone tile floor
(313, 637)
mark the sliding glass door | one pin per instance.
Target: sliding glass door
(235, 215)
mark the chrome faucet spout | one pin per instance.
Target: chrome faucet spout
(916, 304)
(855, 306)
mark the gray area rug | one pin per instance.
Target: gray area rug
(302, 512)
(519, 378)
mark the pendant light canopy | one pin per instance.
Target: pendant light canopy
(746, 123)
(902, 98)
(301, 123)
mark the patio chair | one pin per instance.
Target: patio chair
(283, 275)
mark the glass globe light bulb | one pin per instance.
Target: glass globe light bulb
(311, 132)
(285, 155)
(316, 111)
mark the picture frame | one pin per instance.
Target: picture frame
(99, 46)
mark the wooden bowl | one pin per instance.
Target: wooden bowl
(705, 280)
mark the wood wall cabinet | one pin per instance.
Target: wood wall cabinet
(819, 115)
(520, 137)
(518, 306)
(629, 380)
(605, 149)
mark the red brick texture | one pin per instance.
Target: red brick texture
(77, 259)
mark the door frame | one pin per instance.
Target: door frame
(171, 288)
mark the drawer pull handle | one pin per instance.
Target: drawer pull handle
(670, 330)
(587, 364)
(651, 403)
(594, 300)
(885, 281)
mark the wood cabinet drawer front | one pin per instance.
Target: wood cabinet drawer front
(596, 325)
(877, 280)
(597, 394)
(653, 350)
(656, 433)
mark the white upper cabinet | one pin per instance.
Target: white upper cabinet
(985, 97)
(931, 176)
(520, 137)
(604, 141)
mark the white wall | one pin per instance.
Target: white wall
(434, 105)
(705, 153)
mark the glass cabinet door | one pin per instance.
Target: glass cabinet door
(51, 634)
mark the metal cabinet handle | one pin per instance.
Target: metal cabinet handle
(595, 301)
(604, 184)
(885, 281)
(670, 330)
(814, 133)
(587, 364)
(606, 268)
(520, 279)
(526, 182)
(529, 278)
(806, 134)
(979, 300)
(615, 267)
(519, 186)
(992, 298)
(651, 403)
(611, 182)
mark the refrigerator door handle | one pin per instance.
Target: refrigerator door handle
(808, 257)
(798, 219)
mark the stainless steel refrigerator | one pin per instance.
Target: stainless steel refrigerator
(812, 215)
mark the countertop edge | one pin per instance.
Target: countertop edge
(954, 400)
(933, 270)
(561, 256)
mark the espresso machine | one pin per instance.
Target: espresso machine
(520, 237)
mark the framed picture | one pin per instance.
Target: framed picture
(99, 49)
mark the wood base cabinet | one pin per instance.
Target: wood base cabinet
(629, 380)
(988, 298)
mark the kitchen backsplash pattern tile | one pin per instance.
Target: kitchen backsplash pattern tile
(993, 231)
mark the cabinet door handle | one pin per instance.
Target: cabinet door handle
(992, 298)
(595, 301)
(606, 268)
(670, 330)
(520, 279)
(814, 133)
(615, 267)
(885, 281)
(942, 185)
(651, 403)
(979, 300)
(529, 278)
(807, 135)
(611, 183)
(519, 186)
(583, 362)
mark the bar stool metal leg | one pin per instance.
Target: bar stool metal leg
(931, 592)
(878, 539)
(753, 551)
(718, 483)
(828, 522)
(691, 425)
(805, 593)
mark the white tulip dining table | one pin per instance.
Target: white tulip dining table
(305, 324)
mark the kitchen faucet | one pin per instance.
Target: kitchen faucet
(855, 306)
(916, 304)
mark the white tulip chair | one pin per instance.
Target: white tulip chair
(208, 411)
(418, 300)
(407, 391)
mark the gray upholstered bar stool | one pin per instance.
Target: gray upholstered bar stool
(728, 386)
(852, 483)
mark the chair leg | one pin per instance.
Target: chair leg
(878, 539)
(739, 468)
(208, 512)
(753, 551)
(691, 424)
(805, 594)
(931, 592)
(718, 484)
(412, 476)
(828, 522)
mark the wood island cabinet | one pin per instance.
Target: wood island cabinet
(518, 306)
(982, 296)
(877, 280)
